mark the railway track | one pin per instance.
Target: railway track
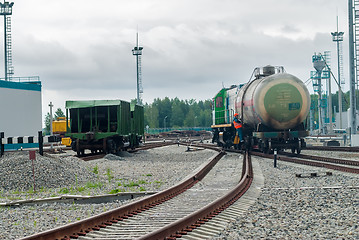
(333, 148)
(187, 219)
(94, 156)
(316, 161)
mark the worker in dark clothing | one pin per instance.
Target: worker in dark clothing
(238, 126)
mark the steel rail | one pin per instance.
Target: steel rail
(333, 148)
(94, 156)
(194, 220)
(324, 159)
(310, 163)
(81, 228)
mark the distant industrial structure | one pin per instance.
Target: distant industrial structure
(20, 97)
(321, 63)
(137, 51)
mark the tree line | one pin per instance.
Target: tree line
(174, 113)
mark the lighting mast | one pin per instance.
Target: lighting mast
(6, 11)
(137, 51)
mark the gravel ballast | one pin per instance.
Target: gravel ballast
(150, 170)
(301, 208)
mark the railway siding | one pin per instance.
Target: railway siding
(300, 208)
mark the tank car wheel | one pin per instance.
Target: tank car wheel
(267, 146)
(299, 149)
(293, 150)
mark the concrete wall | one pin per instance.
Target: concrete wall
(20, 108)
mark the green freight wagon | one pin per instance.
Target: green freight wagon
(103, 125)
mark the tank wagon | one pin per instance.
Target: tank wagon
(104, 125)
(272, 108)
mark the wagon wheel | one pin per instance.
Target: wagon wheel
(78, 149)
(267, 146)
(111, 146)
(299, 148)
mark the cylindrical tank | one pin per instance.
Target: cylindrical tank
(279, 101)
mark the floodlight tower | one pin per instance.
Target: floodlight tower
(338, 37)
(137, 51)
(6, 11)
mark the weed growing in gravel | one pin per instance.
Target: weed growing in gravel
(64, 191)
(31, 190)
(81, 189)
(109, 175)
(142, 189)
(142, 182)
(149, 175)
(131, 184)
(16, 191)
(114, 191)
(74, 206)
(35, 223)
(94, 185)
(95, 169)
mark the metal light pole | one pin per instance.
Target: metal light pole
(137, 51)
(164, 123)
(352, 115)
(5, 10)
(338, 37)
(51, 132)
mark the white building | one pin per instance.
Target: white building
(20, 107)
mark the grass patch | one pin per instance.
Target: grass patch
(64, 191)
(109, 175)
(81, 189)
(117, 190)
(131, 184)
(94, 185)
(95, 169)
(142, 182)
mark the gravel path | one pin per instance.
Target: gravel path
(150, 170)
(289, 208)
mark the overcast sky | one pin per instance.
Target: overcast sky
(81, 49)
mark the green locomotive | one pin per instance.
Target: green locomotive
(104, 125)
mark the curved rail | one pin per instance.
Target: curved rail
(82, 227)
(187, 224)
